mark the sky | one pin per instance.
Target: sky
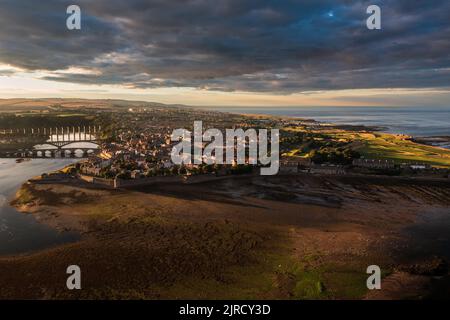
(229, 53)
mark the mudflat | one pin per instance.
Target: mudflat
(281, 237)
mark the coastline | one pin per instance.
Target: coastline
(34, 209)
(435, 141)
(428, 141)
(413, 121)
(202, 240)
(442, 142)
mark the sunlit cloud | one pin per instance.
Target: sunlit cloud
(229, 52)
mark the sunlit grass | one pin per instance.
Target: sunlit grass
(385, 146)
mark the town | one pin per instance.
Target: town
(106, 171)
(235, 147)
(141, 145)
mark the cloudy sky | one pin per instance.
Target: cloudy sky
(228, 52)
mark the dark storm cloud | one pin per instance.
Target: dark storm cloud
(251, 45)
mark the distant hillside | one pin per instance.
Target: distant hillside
(21, 105)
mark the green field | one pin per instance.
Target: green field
(391, 147)
(384, 146)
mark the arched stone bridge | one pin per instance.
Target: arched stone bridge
(51, 153)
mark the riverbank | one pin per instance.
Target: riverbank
(301, 237)
(297, 236)
(21, 233)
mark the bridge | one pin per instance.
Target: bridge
(56, 141)
(61, 137)
(57, 136)
(66, 153)
(46, 131)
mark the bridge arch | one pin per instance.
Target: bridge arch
(80, 145)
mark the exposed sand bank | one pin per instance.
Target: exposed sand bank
(264, 237)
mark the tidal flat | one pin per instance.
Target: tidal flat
(282, 237)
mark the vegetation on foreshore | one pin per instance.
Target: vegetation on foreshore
(175, 254)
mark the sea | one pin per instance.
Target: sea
(414, 121)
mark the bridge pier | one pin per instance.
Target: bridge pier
(81, 131)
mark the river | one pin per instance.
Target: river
(21, 233)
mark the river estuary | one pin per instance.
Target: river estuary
(21, 233)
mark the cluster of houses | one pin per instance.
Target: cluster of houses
(307, 166)
(389, 164)
(374, 163)
(133, 153)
